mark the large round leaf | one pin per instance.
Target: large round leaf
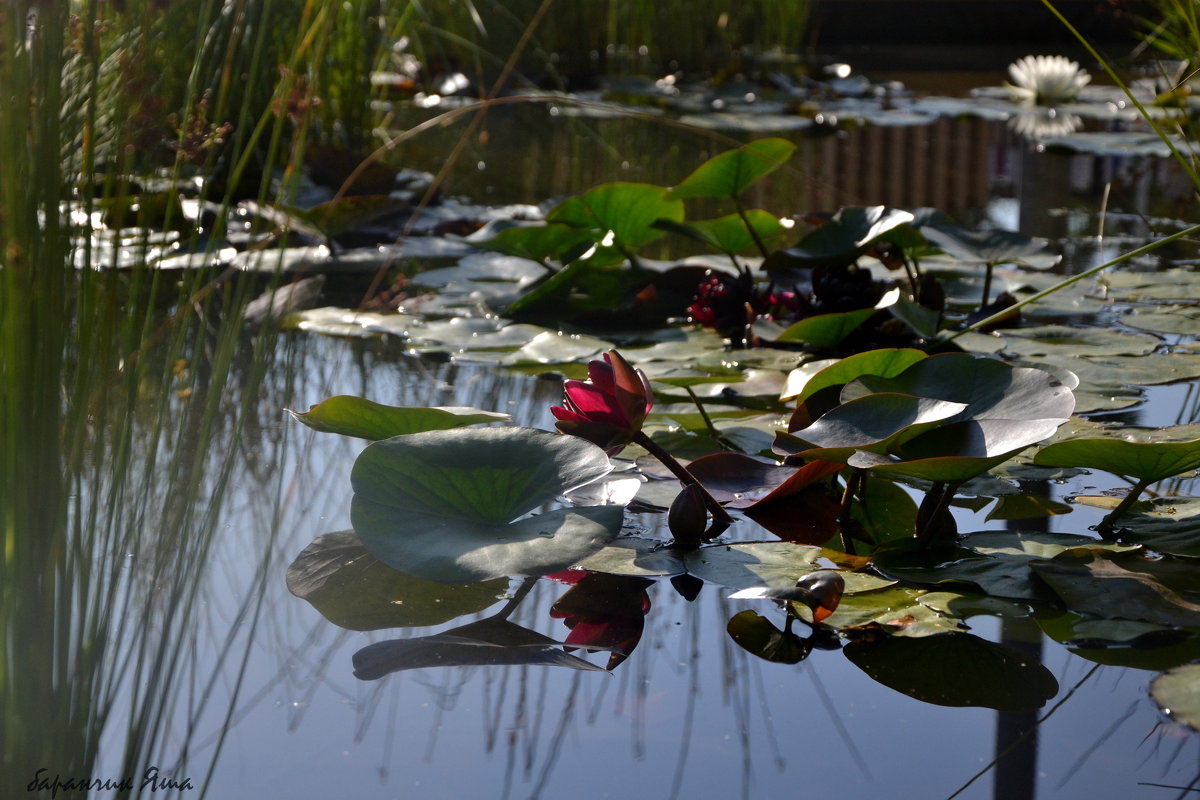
(874, 422)
(956, 669)
(732, 172)
(805, 381)
(441, 505)
(1145, 461)
(992, 247)
(1177, 693)
(357, 416)
(990, 388)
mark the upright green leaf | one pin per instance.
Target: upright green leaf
(357, 416)
(732, 172)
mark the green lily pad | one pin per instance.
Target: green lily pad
(777, 565)
(441, 505)
(875, 423)
(956, 669)
(732, 172)
(1177, 693)
(808, 379)
(1047, 340)
(1145, 461)
(1001, 576)
(353, 589)
(1124, 587)
(894, 609)
(1166, 525)
(357, 416)
(993, 246)
(645, 558)
(1026, 506)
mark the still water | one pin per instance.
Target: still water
(689, 714)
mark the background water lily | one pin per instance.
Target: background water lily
(1045, 80)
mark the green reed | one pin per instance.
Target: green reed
(124, 394)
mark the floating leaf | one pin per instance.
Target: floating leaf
(646, 558)
(1026, 506)
(1177, 693)
(353, 589)
(440, 505)
(1048, 340)
(732, 172)
(1165, 525)
(956, 669)
(357, 416)
(1128, 587)
(875, 422)
(1145, 461)
(825, 331)
(773, 564)
(808, 379)
(992, 246)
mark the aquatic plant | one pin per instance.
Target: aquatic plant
(1046, 80)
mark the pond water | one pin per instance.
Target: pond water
(689, 713)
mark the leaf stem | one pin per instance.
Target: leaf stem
(845, 522)
(741, 211)
(686, 478)
(1105, 528)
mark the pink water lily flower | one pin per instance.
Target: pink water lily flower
(610, 407)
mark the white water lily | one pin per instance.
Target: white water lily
(1045, 80)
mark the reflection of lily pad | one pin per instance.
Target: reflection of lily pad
(441, 505)
(353, 589)
(487, 642)
(758, 635)
(956, 669)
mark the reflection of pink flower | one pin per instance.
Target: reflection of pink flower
(606, 611)
(608, 408)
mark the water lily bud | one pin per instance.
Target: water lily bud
(688, 516)
(824, 590)
(609, 408)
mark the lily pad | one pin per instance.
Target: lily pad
(892, 610)
(956, 669)
(441, 505)
(1048, 340)
(353, 589)
(1145, 461)
(1177, 693)
(644, 558)
(1112, 586)
(357, 416)
(808, 379)
(992, 246)
(732, 172)
(773, 564)
(875, 423)
(1165, 525)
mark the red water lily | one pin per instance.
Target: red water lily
(609, 408)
